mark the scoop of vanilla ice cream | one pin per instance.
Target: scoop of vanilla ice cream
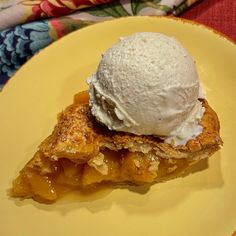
(146, 84)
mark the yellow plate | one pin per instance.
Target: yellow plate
(203, 203)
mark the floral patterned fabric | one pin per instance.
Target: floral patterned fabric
(26, 26)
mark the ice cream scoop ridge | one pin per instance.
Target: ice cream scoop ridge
(147, 84)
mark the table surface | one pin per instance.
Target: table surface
(218, 14)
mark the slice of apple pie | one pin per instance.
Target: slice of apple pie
(81, 153)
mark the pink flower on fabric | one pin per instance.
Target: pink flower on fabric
(56, 8)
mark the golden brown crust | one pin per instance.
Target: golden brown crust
(78, 136)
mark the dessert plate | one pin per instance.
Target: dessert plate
(201, 203)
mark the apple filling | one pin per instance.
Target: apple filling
(46, 180)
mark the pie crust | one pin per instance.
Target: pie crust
(81, 153)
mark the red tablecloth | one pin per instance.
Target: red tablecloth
(218, 14)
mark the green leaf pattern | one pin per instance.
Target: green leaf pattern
(114, 9)
(117, 9)
(136, 6)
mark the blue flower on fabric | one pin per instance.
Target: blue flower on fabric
(18, 44)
